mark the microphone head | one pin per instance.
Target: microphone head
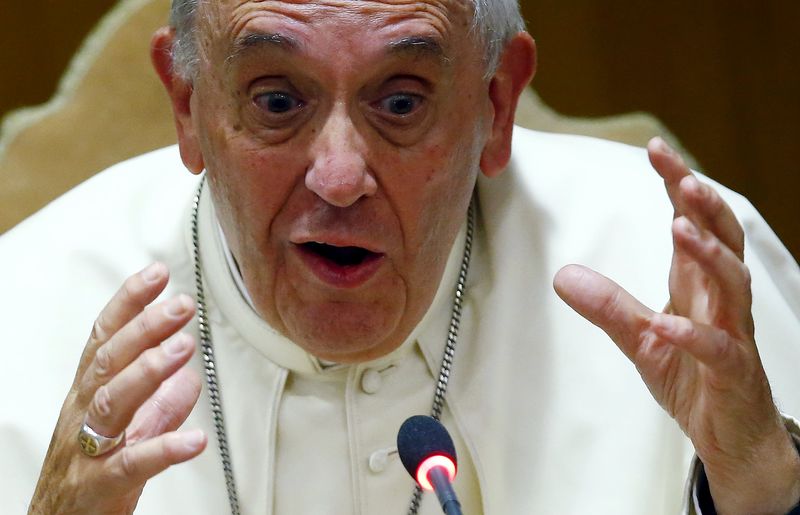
(421, 438)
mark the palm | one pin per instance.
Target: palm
(677, 380)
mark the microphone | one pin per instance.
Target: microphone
(428, 454)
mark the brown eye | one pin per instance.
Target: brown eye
(276, 102)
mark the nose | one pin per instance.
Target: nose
(339, 173)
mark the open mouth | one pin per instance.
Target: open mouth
(340, 267)
(340, 256)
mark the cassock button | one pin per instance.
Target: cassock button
(371, 381)
(379, 460)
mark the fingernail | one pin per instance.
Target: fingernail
(176, 345)
(152, 273)
(194, 440)
(178, 306)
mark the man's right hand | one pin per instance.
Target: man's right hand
(131, 378)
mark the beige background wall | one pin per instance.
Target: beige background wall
(722, 74)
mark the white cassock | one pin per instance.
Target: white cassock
(547, 415)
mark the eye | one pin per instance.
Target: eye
(276, 102)
(401, 104)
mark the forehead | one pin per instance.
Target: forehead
(443, 20)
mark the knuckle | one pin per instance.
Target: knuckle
(99, 332)
(144, 323)
(162, 406)
(686, 330)
(610, 306)
(102, 359)
(736, 240)
(101, 405)
(713, 249)
(716, 206)
(129, 468)
(150, 366)
(169, 414)
(747, 278)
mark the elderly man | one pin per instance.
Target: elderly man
(367, 247)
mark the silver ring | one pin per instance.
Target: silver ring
(94, 444)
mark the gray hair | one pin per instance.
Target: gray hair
(495, 22)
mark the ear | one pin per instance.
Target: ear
(514, 73)
(180, 92)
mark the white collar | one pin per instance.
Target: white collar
(233, 268)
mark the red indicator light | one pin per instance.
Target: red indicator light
(430, 463)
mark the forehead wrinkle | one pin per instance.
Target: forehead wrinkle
(440, 16)
(441, 13)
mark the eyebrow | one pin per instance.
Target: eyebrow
(418, 46)
(251, 41)
(421, 46)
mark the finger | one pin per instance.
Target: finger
(168, 408)
(671, 167)
(724, 268)
(707, 209)
(605, 304)
(136, 292)
(707, 344)
(135, 464)
(114, 404)
(148, 329)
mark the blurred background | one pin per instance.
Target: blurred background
(723, 76)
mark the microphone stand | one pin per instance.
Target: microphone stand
(444, 491)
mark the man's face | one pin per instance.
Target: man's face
(342, 140)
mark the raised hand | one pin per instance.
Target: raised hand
(698, 357)
(132, 382)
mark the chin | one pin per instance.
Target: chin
(349, 350)
(346, 333)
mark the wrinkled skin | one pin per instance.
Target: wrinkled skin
(338, 164)
(315, 127)
(698, 357)
(372, 145)
(127, 380)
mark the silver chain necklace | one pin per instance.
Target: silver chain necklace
(207, 348)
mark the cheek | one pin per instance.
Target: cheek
(250, 193)
(254, 190)
(436, 201)
(251, 181)
(434, 157)
(447, 180)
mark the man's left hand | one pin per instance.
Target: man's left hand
(699, 357)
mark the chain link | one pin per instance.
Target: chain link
(452, 340)
(208, 358)
(207, 347)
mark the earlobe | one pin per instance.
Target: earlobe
(180, 92)
(514, 73)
